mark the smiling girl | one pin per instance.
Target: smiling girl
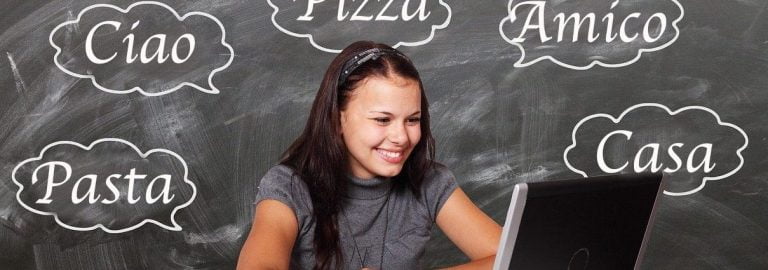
(360, 188)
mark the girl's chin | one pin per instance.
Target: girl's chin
(389, 171)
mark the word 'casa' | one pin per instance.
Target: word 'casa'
(364, 13)
(652, 163)
(90, 181)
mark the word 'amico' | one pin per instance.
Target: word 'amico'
(570, 33)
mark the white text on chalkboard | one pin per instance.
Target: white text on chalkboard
(573, 22)
(51, 182)
(382, 15)
(130, 56)
(653, 162)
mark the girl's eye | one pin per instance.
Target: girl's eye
(382, 120)
(414, 120)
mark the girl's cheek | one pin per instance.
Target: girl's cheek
(415, 129)
(415, 135)
(375, 133)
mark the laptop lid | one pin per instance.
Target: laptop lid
(588, 223)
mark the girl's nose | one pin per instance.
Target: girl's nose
(397, 134)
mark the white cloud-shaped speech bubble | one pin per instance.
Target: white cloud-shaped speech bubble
(116, 216)
(585, 54)
(652, 135)
(87, 69)
(381, 34)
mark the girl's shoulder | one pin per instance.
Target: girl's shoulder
(438, 185)
(439, 176)
(440, 171)
(281, 176)
(281, 183)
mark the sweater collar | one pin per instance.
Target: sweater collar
(368, 189)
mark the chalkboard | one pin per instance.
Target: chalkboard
(133, 135)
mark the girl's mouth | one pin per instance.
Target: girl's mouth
(390, 156)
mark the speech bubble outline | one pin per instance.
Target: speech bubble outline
(176, 226)
(329, 50)
(213, 89)
(616, 120)
(511, 17)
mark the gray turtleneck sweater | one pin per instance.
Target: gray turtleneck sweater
(376, 228)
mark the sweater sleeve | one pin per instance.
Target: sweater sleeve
(279, 184)
(438, 186)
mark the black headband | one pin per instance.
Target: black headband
(359, 59)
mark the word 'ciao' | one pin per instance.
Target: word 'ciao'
(52, 182)
(361, 13)
(616, 27)
(653, 163)
(160, 55)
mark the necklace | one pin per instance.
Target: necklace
(383, 239)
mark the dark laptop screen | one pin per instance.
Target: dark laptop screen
(572, 225)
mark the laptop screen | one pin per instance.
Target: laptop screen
(594, 223)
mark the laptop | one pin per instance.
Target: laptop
(589, 223)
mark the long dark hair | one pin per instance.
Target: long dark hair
(319, 155)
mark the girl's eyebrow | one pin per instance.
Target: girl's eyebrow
(390, 114)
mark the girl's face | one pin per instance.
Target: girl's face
(381, 125)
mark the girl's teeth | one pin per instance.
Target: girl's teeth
(389, 154)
